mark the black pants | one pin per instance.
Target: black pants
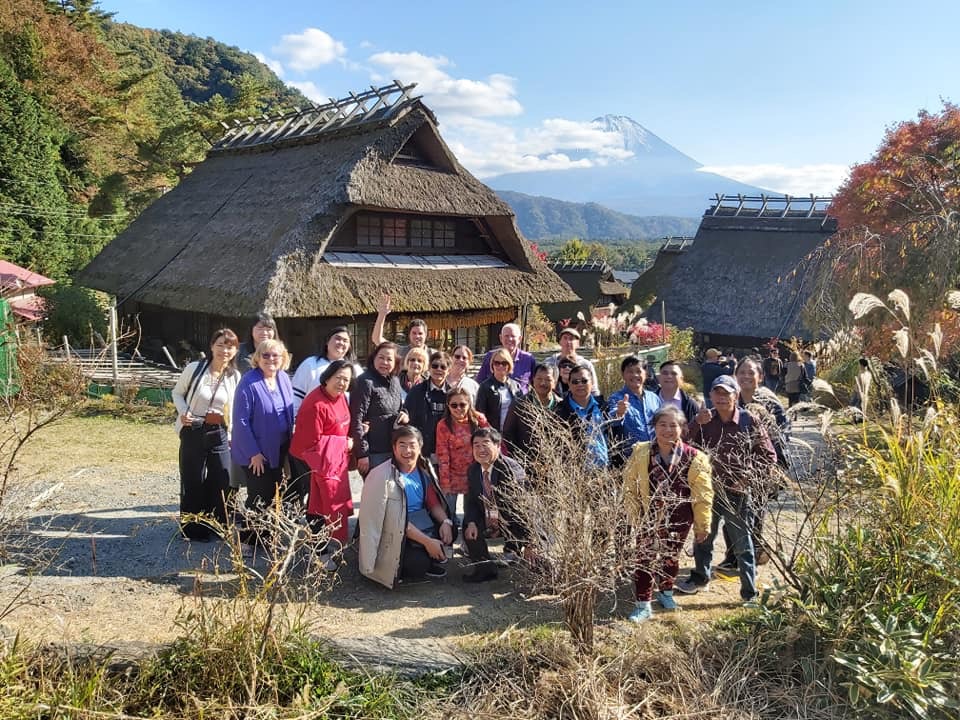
(262, 490)
(299, 477)
(204, 478)
(416, 561)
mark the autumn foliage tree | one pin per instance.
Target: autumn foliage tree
(898, 215)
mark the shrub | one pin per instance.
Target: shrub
(73, 311)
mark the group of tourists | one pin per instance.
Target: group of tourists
(429, 440)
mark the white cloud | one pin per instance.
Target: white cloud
(822, 179)
(309, 50)
(274, 65)
(493, 97)
(559, 133)
(310, 89)
(489, 148)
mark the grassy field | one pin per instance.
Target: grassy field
(135, 442)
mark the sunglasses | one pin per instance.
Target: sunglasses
(438, 366)
(458, 406)
(271, 356)
(581, 381)
(501, 363)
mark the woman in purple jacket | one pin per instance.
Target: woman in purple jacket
(263, 421)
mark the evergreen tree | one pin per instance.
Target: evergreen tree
(33, 205)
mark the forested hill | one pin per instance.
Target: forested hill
(98, 118)
(543, 218)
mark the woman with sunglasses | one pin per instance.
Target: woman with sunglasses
(584, 413)
(454, 444)
(499, 391)
(458, 376)
(427, 401)
(262, 423)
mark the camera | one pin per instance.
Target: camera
(196, 423)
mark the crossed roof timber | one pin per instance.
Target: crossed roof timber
(352, 111)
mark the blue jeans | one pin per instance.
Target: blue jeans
(736, 511)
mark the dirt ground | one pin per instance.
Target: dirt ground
(121, 574)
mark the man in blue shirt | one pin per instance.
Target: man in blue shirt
(633, 405)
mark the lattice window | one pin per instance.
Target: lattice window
(368, 230)
(444, 234)
(394, 232)
(399, 232)
(421, 232)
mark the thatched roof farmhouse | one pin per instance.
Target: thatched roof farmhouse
(313, 216)
(594, 282)
(746, 275)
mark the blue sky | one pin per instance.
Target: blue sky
(782, 95)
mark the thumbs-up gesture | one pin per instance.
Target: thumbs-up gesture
(623, 406)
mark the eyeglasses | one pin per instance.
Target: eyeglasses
(437, 366)
(271, 356)
(501, 363)
(458, 406)
(581, 381)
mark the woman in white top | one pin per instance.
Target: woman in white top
(203, 396)
(458, 377)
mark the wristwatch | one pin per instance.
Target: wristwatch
(448, 521)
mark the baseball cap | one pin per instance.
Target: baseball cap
(569, 331)
(726, 382)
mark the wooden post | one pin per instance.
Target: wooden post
(170, 357)
(113, 344)
(663, 322)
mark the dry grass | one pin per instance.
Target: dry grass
(685, 670)
(96, 441)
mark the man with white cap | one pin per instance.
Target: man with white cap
(742, 457)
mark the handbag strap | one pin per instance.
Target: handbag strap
(213, 395)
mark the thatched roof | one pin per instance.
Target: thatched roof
(746, 276)
(613, 287)
(247, 229)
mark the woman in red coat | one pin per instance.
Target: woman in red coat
(322, 440)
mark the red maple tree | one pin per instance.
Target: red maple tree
(898, 215)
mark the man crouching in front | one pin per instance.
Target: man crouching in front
(405, 525)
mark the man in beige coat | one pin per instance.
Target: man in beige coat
(405, 524)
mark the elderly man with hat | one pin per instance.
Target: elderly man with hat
(742, 457)
(569, 339)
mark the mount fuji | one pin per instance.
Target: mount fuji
(658, 179)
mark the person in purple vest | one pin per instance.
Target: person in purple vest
(523, 362)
